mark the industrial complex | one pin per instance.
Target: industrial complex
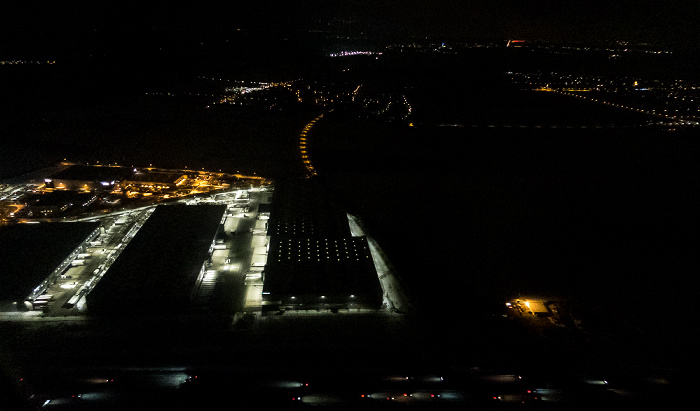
(247, 247)
(73, 190)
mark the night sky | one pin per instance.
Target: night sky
(42, 28)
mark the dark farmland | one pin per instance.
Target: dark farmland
(155, 130)
(472, 217)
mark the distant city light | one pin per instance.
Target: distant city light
(355, 53)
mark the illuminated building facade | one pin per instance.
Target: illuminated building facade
(87, 178)
(56, 203)
(314, 262)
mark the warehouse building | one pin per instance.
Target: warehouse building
(304, 208)
(57, 203)
(33, 256)
(161, 268)
(313, 272)
(87, 178)
(313, 261)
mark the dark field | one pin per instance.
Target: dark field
(472, 217)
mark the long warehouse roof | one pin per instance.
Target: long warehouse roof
(30, 252)
(312, 252)
(320, 266)
(92, 173)
(304, 208)
(159, 268)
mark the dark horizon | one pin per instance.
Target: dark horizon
(53, 29)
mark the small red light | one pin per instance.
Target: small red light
(362, 395)
(432, 395)
(495, 398)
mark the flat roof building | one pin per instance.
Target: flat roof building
(87, 178)
(321, 271)
(162, 266)
(304, 208)
(32, 256)
(54, 204)
(313, 260)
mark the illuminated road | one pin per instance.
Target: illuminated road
(70, 289)
(674, 120)
(395, 298)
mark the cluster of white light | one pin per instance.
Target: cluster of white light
(322, 249)
(354, 53)
(291, 227)
(243, 90)
(409, 109)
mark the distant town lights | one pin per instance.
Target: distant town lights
(354, 53)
